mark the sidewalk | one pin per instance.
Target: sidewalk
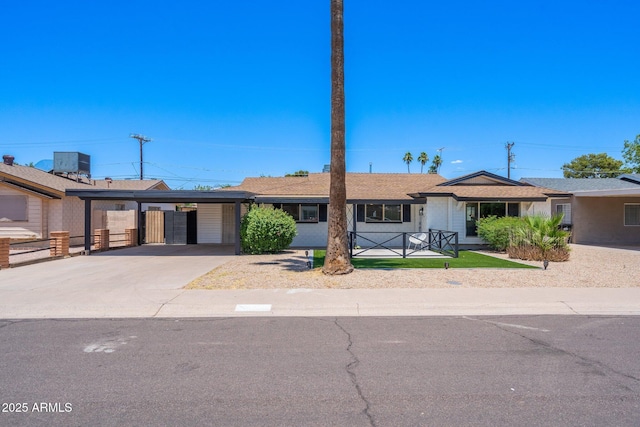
(148, 282)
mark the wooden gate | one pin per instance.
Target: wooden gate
(154, 222)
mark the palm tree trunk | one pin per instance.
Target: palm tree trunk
(337, 257)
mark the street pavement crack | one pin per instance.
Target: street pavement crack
(570, 308)
(168, 302)
(548, 346)
(5, 323)
(351, 370)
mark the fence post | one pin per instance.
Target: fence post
(456, 244)
(59, 244)
(4, 252)
(131, 236)
(102, 239)
(350, 244)
(404, 245)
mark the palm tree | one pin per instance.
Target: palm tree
(435, 165)
(408, 158)
(423, 158)
(337, 257)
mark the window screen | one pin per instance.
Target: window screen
(13, 208)
(632, 214)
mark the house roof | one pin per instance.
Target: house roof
(486, 186)
(361, 187)
(399, 188)
(49, 185)
(571, 185)
(491, 193)
(627, 185)
(482, 178)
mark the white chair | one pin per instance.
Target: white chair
(418, 240)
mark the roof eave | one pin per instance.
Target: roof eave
(162, 196)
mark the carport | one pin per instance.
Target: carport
(160, 196)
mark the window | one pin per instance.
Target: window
(153, 208)
(477, 210)
(631, 214)
(564, 209)
(383, 213)
(120, 206)
(303, 212)
(13, 208)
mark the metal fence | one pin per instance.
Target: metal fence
(403, 244)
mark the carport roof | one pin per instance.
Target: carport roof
(161, 196)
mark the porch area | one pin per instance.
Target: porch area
(430, 244)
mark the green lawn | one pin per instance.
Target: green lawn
(466, 259)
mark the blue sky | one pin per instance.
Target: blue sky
(228, 90)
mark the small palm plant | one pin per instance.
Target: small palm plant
(539, 238)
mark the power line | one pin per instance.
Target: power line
(142, 140)
(510, 157)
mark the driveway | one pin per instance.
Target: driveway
(133, 282)
(148, 282)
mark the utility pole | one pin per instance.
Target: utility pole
(510, 157)
(142, 140)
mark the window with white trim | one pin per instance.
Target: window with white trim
(302, 212)
(383, 213)
(631, 214)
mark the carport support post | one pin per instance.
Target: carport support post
(238, 219)
(87, 225)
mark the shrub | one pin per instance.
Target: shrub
(266, 230)
(497, 231)
(539, 238)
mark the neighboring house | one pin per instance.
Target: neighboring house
(33, 202)
(598, 210)
(396, 203)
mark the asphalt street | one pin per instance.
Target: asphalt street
(322, 371)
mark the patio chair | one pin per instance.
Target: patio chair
(418, 240)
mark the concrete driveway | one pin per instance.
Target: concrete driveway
(132, 282)
(147, 282)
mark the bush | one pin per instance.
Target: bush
(539, 238)
(497, 231)
(266, 230)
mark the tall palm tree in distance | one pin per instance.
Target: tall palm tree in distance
(408, 158)
(423, 158)
(337, 260)
(435, 164)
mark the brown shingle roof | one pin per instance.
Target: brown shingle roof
(381, 186)
(360, 186)
(490, 192)
(56, 185)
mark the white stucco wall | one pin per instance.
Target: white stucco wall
(447, 214)
(382, 231)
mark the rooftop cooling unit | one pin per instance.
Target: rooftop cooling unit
(71, 162)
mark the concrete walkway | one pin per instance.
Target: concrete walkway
(147, 281)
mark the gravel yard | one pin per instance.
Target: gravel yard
(589, 266)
